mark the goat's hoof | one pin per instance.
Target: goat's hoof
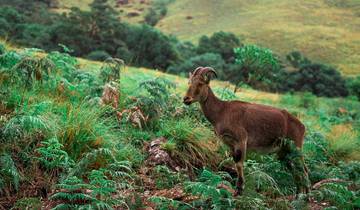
(238, 192)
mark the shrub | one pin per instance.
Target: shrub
(259, 66)
(353, 85)
(30, 69)
(207, 59)
(153, 50)
(157, 101)
(98, 55)
(319, 79)
(296, 59)
(110, 70)
(152, 17)
(2, 49)
(222, 43)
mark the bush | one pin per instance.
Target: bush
(222, 43)
(296, 59)
(2, 49)
(353, 85)
(259, 66)
(207, 59)
(98, 55)
(151, 48)
(152, 17)
(319, 79)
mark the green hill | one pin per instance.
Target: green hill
(327, 30)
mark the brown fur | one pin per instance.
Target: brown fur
(241, 125)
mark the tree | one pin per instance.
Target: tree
(296, 59)
(222, 43)
(151, 48)
(354, 86)
(319, 79)
(258, 66)
(207, 59)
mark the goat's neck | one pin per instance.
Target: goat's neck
(212, 107)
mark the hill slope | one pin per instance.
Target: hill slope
(326, 30)
(53, 126)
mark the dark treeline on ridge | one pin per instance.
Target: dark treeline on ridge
(99, 33)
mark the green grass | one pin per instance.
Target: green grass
(326, 31)
(48, 124)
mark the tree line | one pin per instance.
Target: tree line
(99, 33)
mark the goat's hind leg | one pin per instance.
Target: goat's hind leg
(293, 159)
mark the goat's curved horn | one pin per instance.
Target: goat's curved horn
(197, 70)
(207, 70)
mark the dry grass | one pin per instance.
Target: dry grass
(321, 30)
(133, 6)
(344, 141)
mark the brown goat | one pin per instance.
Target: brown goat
(246, 126)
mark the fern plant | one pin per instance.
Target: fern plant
(21, 125)
(163, 203)
(165, 178)
(30, 69)
(211, 195)
(158, 99)
(73, 193)
(9, 175)
(64, 62)
(338, 195)
(104, 188)
(110, 71)
(9, 59)
(52, 157)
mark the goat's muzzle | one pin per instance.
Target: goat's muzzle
(187, 100)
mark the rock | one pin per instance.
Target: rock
(158, 156)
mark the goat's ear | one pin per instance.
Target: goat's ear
(207, 78)
(190, 74)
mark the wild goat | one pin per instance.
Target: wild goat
(246, 126)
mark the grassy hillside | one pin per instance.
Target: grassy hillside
(133, 12)
(327, 30)
(61, 147)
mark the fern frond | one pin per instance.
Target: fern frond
(9, 175)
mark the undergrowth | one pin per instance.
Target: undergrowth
(62, 149)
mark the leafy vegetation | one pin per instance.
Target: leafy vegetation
(63, 147)
(89, 157)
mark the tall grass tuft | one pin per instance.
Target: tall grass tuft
(191, 144)
(344, 142)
